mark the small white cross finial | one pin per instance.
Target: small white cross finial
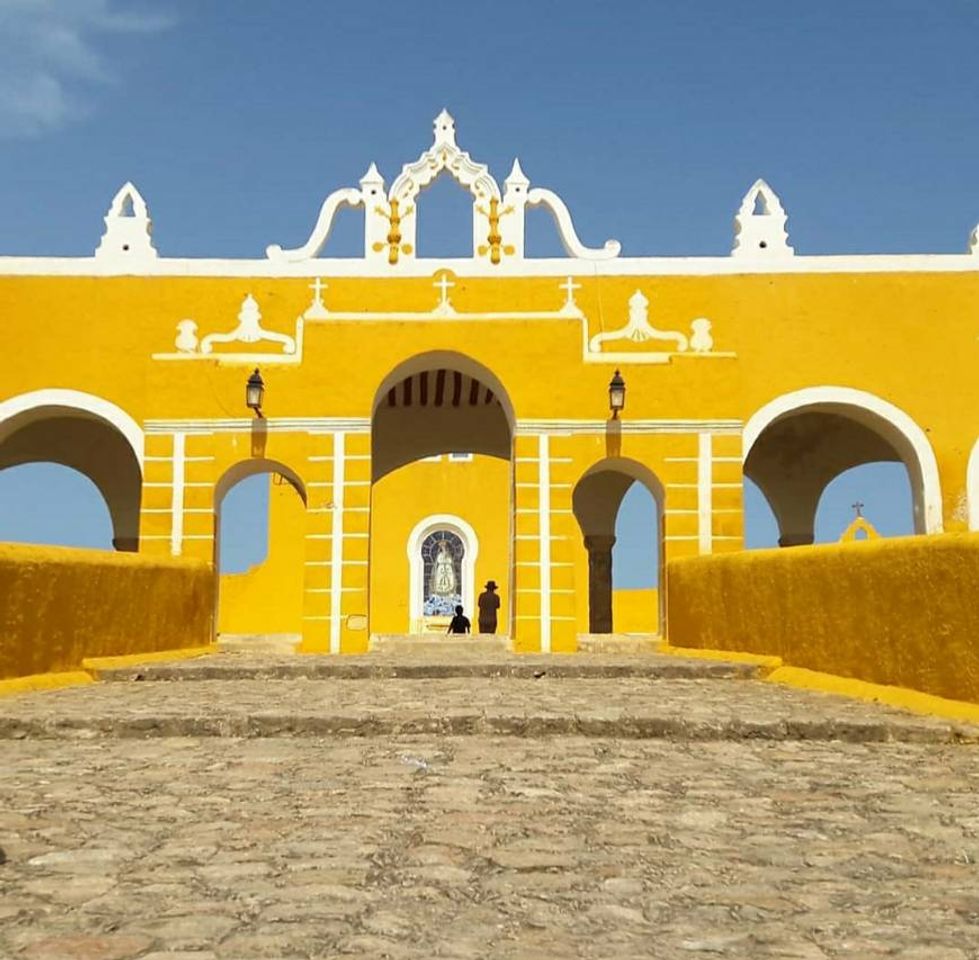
(569, 287)
(317, 309)
(444, 284)
(318, 286)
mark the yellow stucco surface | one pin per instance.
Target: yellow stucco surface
(476, 492)
(895, 612)
(773, 334)
(635, 611)
(61, 606)
(268, 597)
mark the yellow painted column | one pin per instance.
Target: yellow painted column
(317, 560)
(352, 608)
(564, 534)
(156, 503)
(727, 513)
(527, 582)
(684, 496)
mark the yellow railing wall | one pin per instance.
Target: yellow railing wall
(59, 606)
(635, 610)
(902, 612)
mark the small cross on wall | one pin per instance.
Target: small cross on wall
(858, 507)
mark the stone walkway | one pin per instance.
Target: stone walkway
(122, 840)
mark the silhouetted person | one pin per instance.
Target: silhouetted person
(459, 624)
(489, 603)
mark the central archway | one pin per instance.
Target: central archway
(441, 460)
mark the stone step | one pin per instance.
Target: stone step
(376, 666)
(439, 645)
(258, 644)
(631, 708)
(618, 644)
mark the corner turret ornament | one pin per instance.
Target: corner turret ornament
(391, 217)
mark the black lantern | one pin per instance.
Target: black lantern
(255, 392)
(616, 395)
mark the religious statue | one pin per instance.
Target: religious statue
(443, 583)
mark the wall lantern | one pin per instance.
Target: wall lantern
(255, 392)
(616, 395)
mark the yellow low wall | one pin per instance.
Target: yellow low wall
(59, 606)
(635, 611)
(902, 612)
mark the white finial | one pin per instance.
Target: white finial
(974, 241)
(445, 129)
(372, 177)
(127, 227)
(759, 227)
(517, 177)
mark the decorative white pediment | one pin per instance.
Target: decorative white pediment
(759, 227)
(390, 219)
(638, 330)
(128, 228)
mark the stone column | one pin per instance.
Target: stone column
(599, 583)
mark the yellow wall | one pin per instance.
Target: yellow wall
(635, 611)
(899, 611)
(477, 492)
(62, 605)
(870, 331)
(268, 597)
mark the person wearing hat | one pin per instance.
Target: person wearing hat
(488, 603)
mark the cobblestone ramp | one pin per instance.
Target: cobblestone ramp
(626, 707)
(487, 848)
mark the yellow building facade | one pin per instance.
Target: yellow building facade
(447, 421)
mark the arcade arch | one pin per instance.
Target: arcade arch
(84, 433)
(797, 444)
(267, 597)
(441, 443)
(596, 500)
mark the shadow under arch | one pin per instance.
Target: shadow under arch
(436, 402)
(595, 501)
(87, 434)
(797, 443)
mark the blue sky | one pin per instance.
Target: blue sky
(650, 118)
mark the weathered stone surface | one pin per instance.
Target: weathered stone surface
(629, 707)
(496, 847)
(606, 816)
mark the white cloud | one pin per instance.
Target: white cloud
(50, 59)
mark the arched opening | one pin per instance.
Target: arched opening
(603, 500)
(259, 549)
(444, 213)
(797, 445)
(46, 503)
(441, 494)
(88, 436)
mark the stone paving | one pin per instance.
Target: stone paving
(490, 845)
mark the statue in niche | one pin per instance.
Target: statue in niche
(443, 583)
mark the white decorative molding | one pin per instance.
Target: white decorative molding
(422, 529)
(974, 241)
(128, 228)
(759, 227)
(249, 330)
(903, 432)
(361, 425)
(565, 227)
(638, 329)
(347, 197)
(40, 400)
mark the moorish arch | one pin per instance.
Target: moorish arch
(88, 434)
(797, 443)
(596, 500)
